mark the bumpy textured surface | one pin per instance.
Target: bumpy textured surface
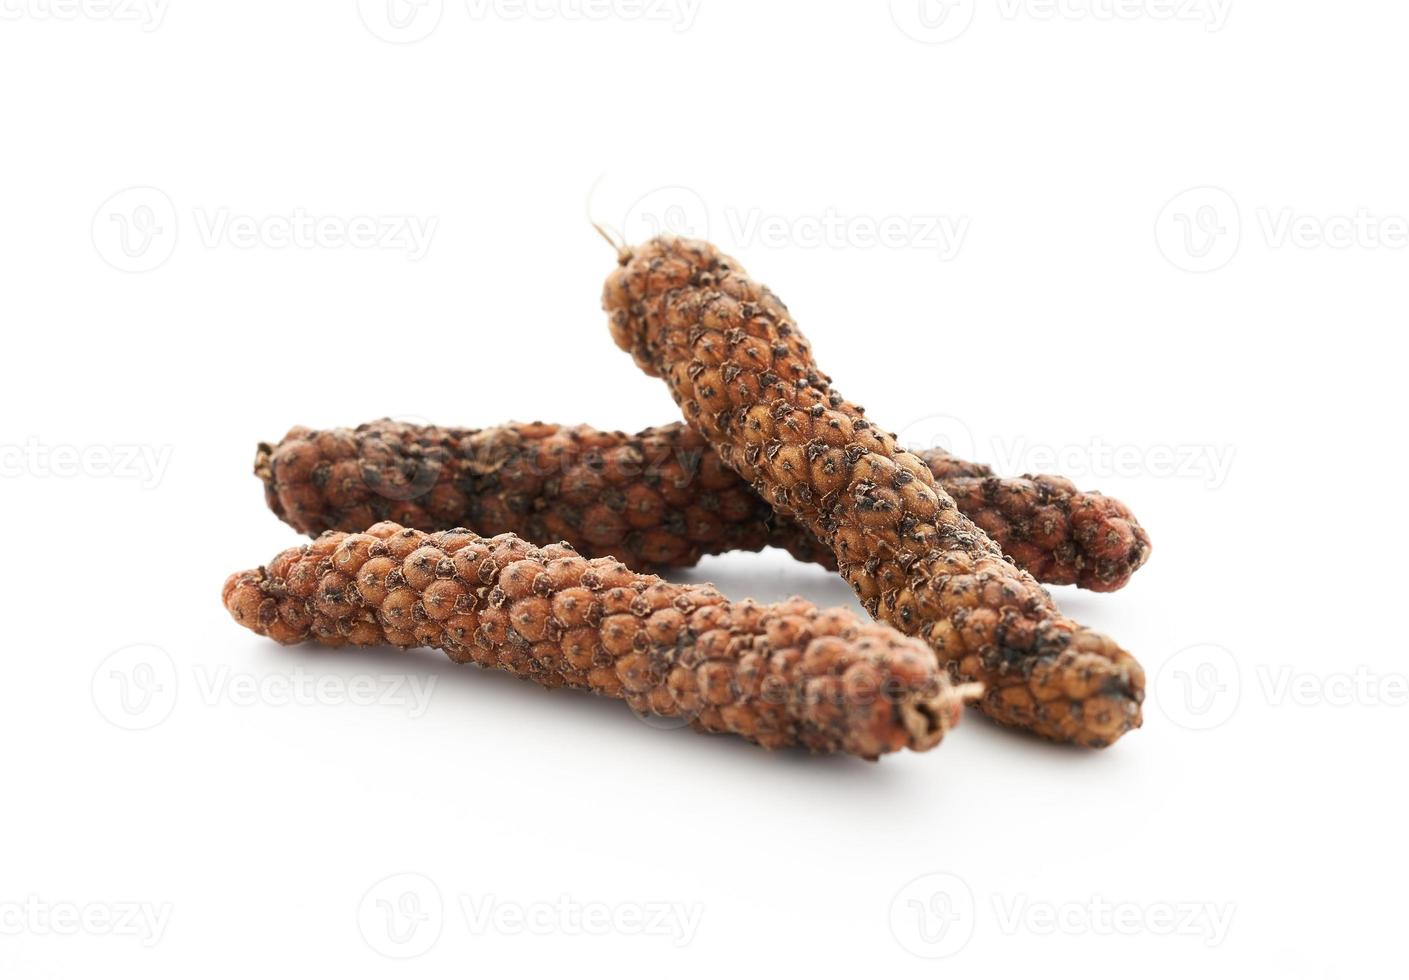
(660, 497)
(784, 674)
(744, 377)
(1050, 529)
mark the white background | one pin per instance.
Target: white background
(1160, 254)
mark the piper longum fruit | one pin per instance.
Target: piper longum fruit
(784, 674)
(744, 377)
(660, 497)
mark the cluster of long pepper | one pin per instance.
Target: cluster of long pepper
(525, 546)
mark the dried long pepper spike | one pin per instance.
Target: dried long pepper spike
(744, 377)
(778, 675)
(660, 497)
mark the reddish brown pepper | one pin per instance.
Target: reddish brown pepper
(778, 675)
(744, 377)
(661, 497)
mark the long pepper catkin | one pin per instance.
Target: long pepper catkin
(744, 377)
(660, 497)
(778, 675)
